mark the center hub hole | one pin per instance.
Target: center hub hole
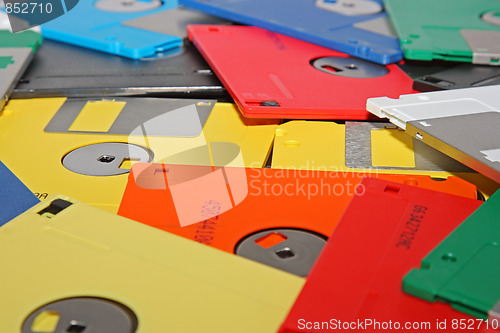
(285, 253)
(76, 327)
(106, 158)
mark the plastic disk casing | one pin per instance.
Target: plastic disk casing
(107, 30)
(443, 30)
(151, 281)
(65, 70)
(85, 148)
(462, 123)
(16, 52)
(223, 207)
(463, 76)
(460, 270)
(293, 79)
(373, 147)
(28, 38)
(15, 196)
(359, 28)
(386, 229)
(13, 62)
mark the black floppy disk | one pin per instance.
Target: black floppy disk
(463, 76)
(63, 70)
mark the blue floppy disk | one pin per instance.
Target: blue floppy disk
(104, 25)
(359, 28)
(15, 197)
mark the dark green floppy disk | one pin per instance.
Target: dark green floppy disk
(464, 270)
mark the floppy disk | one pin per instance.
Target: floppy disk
(462, 123)
(105, 273)
(26, 39)
(13, 62)
(85, 147)
(174, 21)
(416, 69)
(15, 197)
(461, 270)
(112, 27)
(359, 28)
(356, 280)
(21, 39)
(290, 78)
(469, 32)
(277, 217)
(16, 51)
(372, 147)
(463, 76)
(60, 69)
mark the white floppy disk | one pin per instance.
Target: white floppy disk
(462, 123)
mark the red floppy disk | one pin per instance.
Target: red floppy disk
(280, 217)
(270, 75)
(386, 230)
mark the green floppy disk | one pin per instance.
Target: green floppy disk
(466, 31)
(464, 269)
(27, 38)
(16, 52)
(21, 39)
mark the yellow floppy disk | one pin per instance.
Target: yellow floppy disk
(369, 147)
(85, 148)
(72, 267)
